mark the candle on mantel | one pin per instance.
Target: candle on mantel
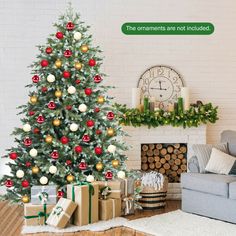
(185, 96)
(152, 103)
(170, 107)
(136, 97)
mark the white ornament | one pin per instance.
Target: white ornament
(74, 127)
(51, 78)
(43, 180)
(71, 90)
(52, 169)
(82, 108)
(26, 127)
(90, 178)
(33, 152)
(77, 35)
(121, 174)
(111, 148)
(20, 174)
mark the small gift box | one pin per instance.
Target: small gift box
(127, 206)
(109, 208)
(36, 214)
(115, 188)
(44, 194)
(61, 213)
(86, 196)
(128, 186)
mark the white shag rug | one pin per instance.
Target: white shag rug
(177, 223)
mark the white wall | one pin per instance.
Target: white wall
(207, 63)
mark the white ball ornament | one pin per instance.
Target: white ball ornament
(121, 174)
(33, 152)
(43, 180)
(20, 174)
(26, 127)
(90, 178)
(71, 90)
(111, 148)
(77, 35)
(51, 78)
(74, 127)
(82, 108)
(52, 169)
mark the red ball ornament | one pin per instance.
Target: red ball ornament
(77, 81)
(35, 79)
(90, 123)
(27, 164)
(48, 50)
(78, 149)
(40, 119)
(31, 113)
(68, 162)
(82, 165)
(55, 155)
(86, 138)
(44, 89)
(68, 53)
(60, 193)
(68, 107)
(64, 140)
(52, 105)
(27, 142)
(110, 115)
(96, 109)
(92, 62)
(88, 91)
(97, 79)
(98, 131)
(98, 150)
(13, 155)
(8, 183)
(108, 175)
(66, 74)
(70, 25)
(59, 35)
(44, 63)
(25, 183)
(36, 130)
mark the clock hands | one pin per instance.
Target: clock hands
(159, 88)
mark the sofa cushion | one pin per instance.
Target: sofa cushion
(229, 136)
(193, 165)
(232, 190)
(207, 183)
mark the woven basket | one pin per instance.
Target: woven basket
(153, 199)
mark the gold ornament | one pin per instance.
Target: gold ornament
(48, 139)
(99, 166)
(33, 99)
(56, 122)
(78, 66)
(35, 170)
(25, 199)
(58, 93)
(84, 48)
(58, 63)
(110, 131)
(101, 100)
(70, 178)
(115, 163)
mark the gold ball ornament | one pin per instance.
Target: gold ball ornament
(35, 170)
(84, 48)
(115, 163)
(70, 178)
(99, 166)
(33, 99)
(110, 131)
(58, 63)
(101, 100)
(48, 139)
(78, 66)
(58, 93)
(56, 122)
(25, 199)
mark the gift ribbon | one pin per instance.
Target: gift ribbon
(112, 190)
(128, 205)
(113, 208)
(126, 187)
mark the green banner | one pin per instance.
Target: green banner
(167, 28)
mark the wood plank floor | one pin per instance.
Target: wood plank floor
(11, 221)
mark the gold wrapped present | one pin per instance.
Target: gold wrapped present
(109, 208)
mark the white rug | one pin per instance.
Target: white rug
(176, 223)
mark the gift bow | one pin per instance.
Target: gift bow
(57, 210)
(43, 197)
(128, 204)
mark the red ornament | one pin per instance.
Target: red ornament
(108, 175)
(70, 25)
(27, 164)
(36, 130)
(68, 107)
(86, 138)
(90, 123)
(35, 79)
(88, 91)
(98, 150)
(59, 35)
(52, 105)
(96, 109)
(40, 119)
(77, 81)
(110, 115)
(60, 193)
(27, 142)
(44, 63)
(64, 140)
(82, 165)
(31, 113)
(97, 79)
(92, 62)
(55, 155)
(44, 89)
(66, 74)
(13, 155)
(98, 131)
(78, 149)
(68, 162)
(25, 183)
(8, 183)
(48, 50)
(68, 53)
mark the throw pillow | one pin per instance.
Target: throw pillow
(193, 165)
(203, 153)
(221, 163)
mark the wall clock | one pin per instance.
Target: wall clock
(161, 82)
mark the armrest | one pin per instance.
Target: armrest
(193, 165)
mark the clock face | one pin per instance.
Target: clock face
(161, 82)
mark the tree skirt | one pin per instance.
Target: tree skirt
(176, 223)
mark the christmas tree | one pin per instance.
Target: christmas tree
(69, 129)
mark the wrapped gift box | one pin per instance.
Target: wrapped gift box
(44, 194)
(61, 213)
(109, 208)
(128, 187)
(36, 214)
(127, 206)
(86, 196)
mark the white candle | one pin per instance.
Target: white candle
(136, 97)
(185, 96)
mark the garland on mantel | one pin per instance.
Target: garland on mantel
(196, 115)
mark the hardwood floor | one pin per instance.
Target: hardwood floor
(11, 221)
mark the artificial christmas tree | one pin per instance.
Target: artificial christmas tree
(69, 129)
